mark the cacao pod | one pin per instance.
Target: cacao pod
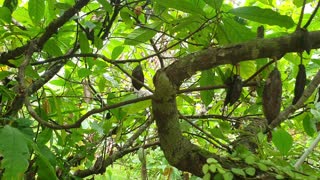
(234, 90)
(271, 98)
(300, 83)
(138, 74)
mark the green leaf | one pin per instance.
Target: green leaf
(142, 34)
(46, 170)
(102, 82)
(52, 48)
(207, 176)
(84, 43)
(188, 6)
(125, 16)
(249, 159)
(228, 176)
(282, 140)
(279, 176)
(44, 136)
(106, 5)
(231, 31)
(238, 171)
(205, 169)
(5, 14)
(221, 170)
(15, 151)
(309, 125)
(206, 79)
(116, 52)
(46, 167)
(250, 171)
(211, 160)
(262, 167)
(4, 74)
(135, 107)
(83, 72)
(36, 10)
(247, 69)
(217, 132)
(58, 82)
(216, 4)
(213, 168)
(265, 16)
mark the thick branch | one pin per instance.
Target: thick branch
(258, 48)
(178, 150)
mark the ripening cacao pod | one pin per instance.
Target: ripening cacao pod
(300, 83)
(138, 74)
(271, 98)
(234, 90)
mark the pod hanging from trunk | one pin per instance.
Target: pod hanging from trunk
(234, 90)
(300, 83)
(138, 74)
(272, 92)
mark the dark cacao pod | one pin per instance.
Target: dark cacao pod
(234, 90)
(138, 74)
(271, 98)
(300, 83)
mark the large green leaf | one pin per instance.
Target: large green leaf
(230, 31)
(309, 125)
(45, 161)
(247, 69)
(282, 140)
(15, 152)
(116, 52)
(36, 10)
(188, 6)
(5, 14)
(84, 43)
(142, 34)
(265, 16)
(51, 46)
(206, 79)
(216, 4)
(106, 5)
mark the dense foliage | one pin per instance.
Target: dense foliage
(126, 89)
